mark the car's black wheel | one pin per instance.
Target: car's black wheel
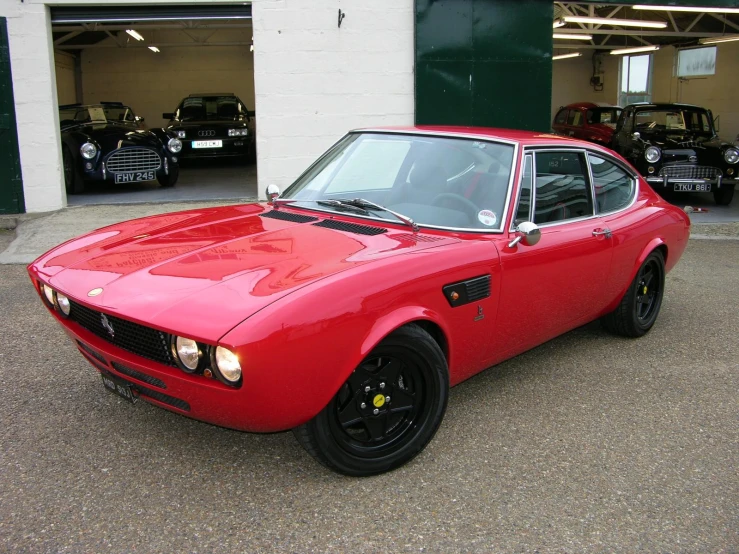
(388, 409)
(724, 195)
(73, 181)
(640, 306)
(170, 179)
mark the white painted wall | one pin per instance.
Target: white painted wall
(314, 81)
(571, 81)
(66, 87)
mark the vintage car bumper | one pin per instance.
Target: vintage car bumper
(230, 147)
(667, 181)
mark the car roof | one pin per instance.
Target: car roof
(525, 138)
(660, 105)
(589, 105)
(98, 105)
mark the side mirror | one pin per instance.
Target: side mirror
(273, 191)
(168, 115)
(527, 233)
(636, 136)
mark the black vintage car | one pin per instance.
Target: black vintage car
(105, 142)
(676, 148)
(213, 125)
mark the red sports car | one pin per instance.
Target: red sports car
(401, 263)
(587, 121)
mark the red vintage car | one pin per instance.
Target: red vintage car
(401, 263)
(587, 121)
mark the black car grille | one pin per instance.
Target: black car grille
(287, 216)
(689, 172)
(140, 340)
(350, 227)
(133, 159)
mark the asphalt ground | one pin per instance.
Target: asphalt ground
(589, 443)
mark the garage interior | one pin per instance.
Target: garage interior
(150, 59)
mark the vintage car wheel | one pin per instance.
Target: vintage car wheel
(171, 179)
(723, 196)
(388, 409)
(73, 181)
(640, 306)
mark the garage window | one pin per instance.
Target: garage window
(694, 62)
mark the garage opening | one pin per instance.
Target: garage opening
(156, 103)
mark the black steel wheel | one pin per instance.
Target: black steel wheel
(387, 410)
(170, 179)
(73, 182)
(724, 195)
(640, 306)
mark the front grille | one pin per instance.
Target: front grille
(99, 357)
(689, 172)
(287, 216)
(134, 159)
(140, 340)
(158, 396)
(120, 368)
(350, 227)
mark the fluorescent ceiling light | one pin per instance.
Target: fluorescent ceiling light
(611, 21)
(634, 50)
(716, 40)
(134, 34)
(572, 36)
(154, 49)
(558, 23)
(694, 9)
(565, 56)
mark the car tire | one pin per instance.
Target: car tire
(73, 181)
(639, 308)
(388, 409)
(723, 196)
(170, 179)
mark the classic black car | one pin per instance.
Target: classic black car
(213, 125)
(105, 142)
(676, 148)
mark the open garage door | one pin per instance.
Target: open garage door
(137, 82)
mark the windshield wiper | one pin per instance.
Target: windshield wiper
(362, 203)
(340, 204)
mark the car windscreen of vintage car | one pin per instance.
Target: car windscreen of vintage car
(673, 121)
(198, 108)
(436, 181)
(604, 116)
(80, 115)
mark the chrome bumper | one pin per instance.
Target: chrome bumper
(718, 181)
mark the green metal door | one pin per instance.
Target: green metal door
(11, 182)
(484, 62)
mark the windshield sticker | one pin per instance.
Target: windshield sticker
(480, 145)
(96, 114)
(487, 218)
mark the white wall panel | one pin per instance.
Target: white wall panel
(66, 88)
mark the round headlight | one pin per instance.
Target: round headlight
(228, 364)
(181, 134)
(88, 150)
(63, 303)
(652, 154)
(731, 155)
(49, 294)
(174, 145)
(188, 353)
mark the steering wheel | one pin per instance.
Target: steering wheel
(468, 207)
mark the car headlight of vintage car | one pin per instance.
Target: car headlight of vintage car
(652, 154)
(174, 145)
(88, 150)
(181, 133)
(63, 302)
(187, 352)
(227, 364)
(238, 132)
(731, 155)
(48, 293)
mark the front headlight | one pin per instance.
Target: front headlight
(181, 134)
(48, 293)
(188, 353)
(174, 145)
(63, 303)
(88, 150)
(228, 364)
(238, 132)
(731, 155)
(652, 154)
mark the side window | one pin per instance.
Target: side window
(628, 126)
(523, 211)
(562, 188)
(614, 188)
(575, 118)
(561, 117)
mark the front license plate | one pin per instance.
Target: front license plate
(692, 187)
(119, 387)
(207, 143)
(135, 176)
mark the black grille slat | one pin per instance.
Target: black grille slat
(153, 381)
(99, 357)
(689, 172)
(140, 340)
(287, 216)
(350, 227)
(417, 238)
(479, 288)
(163, 398)
(133, 160)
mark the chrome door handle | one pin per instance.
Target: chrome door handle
(604, 232)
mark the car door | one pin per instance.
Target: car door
(556, 284)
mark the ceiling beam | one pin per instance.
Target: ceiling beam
(158, 45)
(620, 32)
(696, 20)
(66, 37)
(725, 21)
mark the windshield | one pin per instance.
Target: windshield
(79, 115)
(673, 120)
(439, 182)
(604, 116)
(211, 107)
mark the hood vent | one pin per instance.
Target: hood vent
(350, 227)
(287, 216)
(417, 238)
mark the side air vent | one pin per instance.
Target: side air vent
(417, 238)
(464, 292)
(350, 227)
(287, 216)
